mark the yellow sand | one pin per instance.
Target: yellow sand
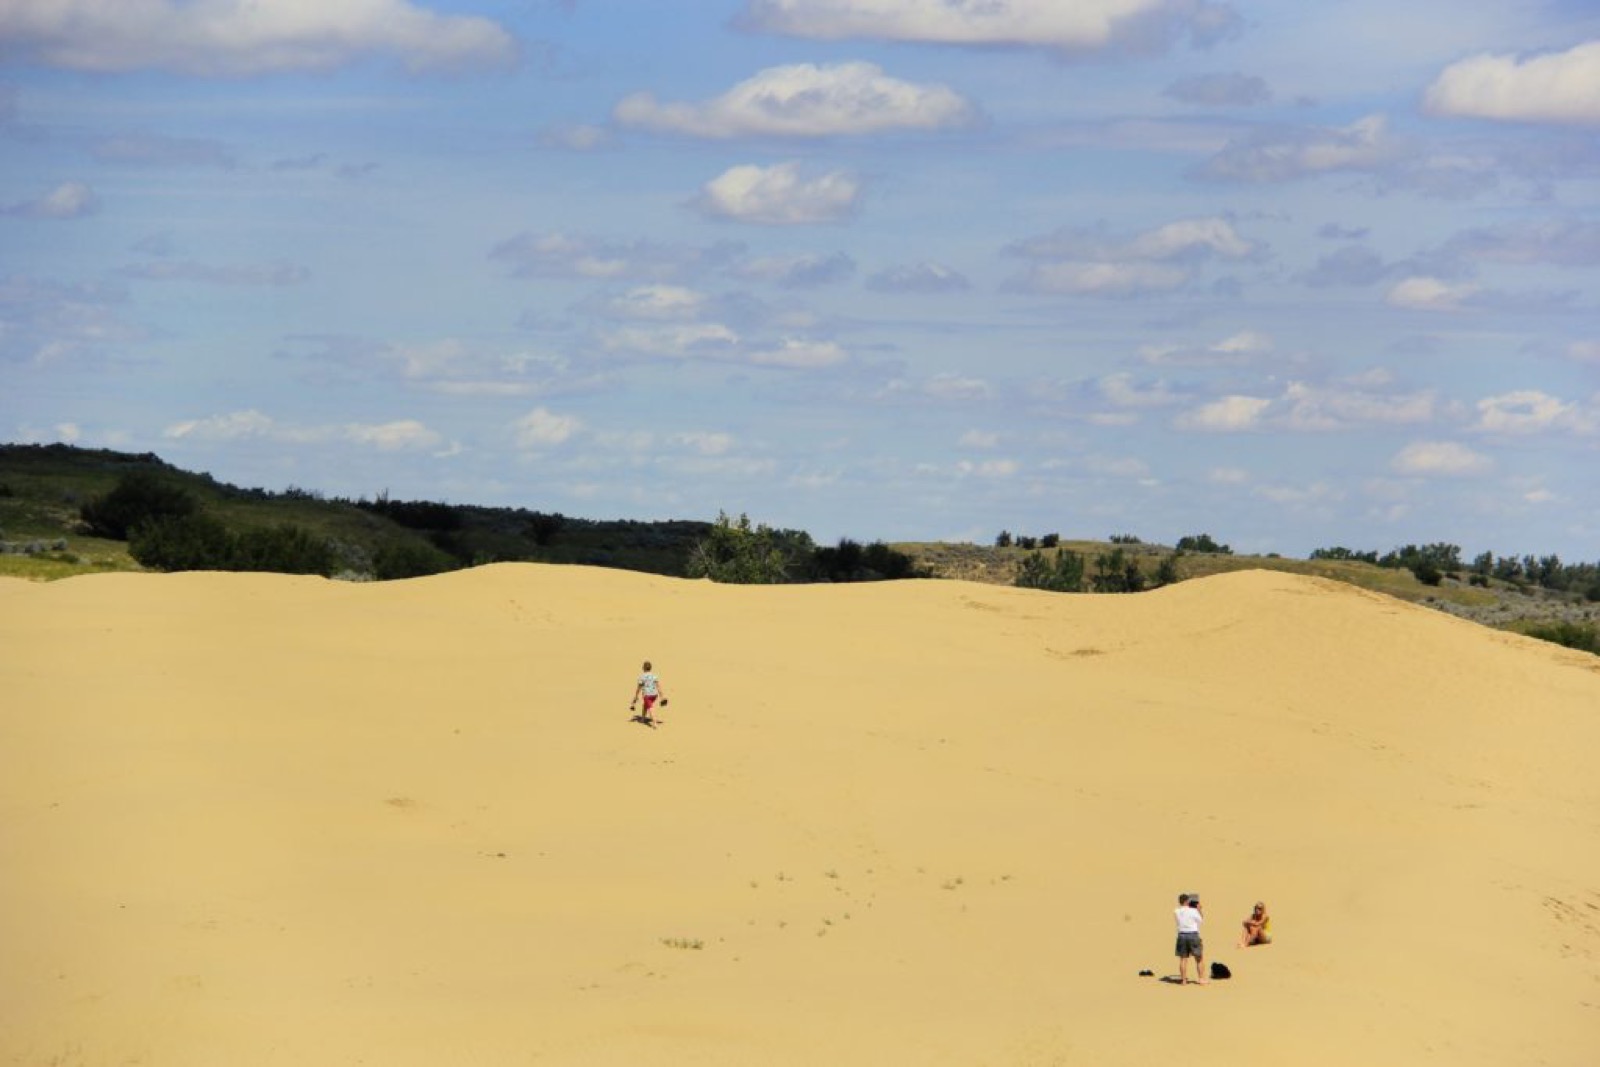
(254, 820)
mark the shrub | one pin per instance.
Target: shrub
(738, 552)
(1050, 540)
(283, 549)
(194, 542)
(409, 559)
(1202, 543)
(1117, 572)
(140, 497)
(1427, 572)
(1064, 574)
(1584, 637)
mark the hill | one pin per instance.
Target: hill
(259, 820)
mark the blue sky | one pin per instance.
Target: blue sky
(1291, 274)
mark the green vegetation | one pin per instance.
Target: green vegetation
(1581, 636)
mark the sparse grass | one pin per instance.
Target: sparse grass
(689, 944)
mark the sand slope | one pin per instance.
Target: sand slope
(254, 819)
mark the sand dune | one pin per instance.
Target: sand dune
(263, 820)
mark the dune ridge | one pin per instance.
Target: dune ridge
(256, 819)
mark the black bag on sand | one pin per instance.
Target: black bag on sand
(1220, 970)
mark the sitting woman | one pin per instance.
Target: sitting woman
(1257, 928)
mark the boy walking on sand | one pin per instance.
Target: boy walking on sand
(1189, 943)
(649, 688)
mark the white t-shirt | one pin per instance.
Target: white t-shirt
(1189, 919)
(649, 684)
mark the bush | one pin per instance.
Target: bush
(283, 549)
(1117, 572)
(737, 552)
(1427, 572)
(1202, 543)
(852, 562)
(1064, 574)
(409, 559)
(140, 497)
(1584, 637)
(182, 543)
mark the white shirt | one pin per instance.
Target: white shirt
(1189, 919)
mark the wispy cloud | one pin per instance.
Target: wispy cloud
(233, 38)
(796, 272)
(401, 435)
(804, 100)
(1444, 458)
(1080, 26)
(1093, 263)
(1219, 90)
(922, 277)
(1283, 154)
(248, 274)
(70, 200)
(565, 255)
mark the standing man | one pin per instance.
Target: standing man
(1189, 944)
(649, 688)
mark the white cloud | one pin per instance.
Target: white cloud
(564, 255)
(1332, 408)
(801, 353)
(918, 278)
(1245, 342)
(779, 195)
(1079, 26)
(400, 435)
(1121, 390)
(979, 439)
(575, 137)
(1227, 476)
(948, 386)
(683, 341)
(393, 436)
(655, 303)
(541, 427)
(1528, 411)
(1423, 458)
(1554, 87)
(71, 200)
(1091, 263)
(1429, 294)
(989, 468)
(797, 272)
(1279, 155)
(1228, 414)
(704, 443)
(804, 100)
(242, 37)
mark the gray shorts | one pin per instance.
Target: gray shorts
(1191, 945)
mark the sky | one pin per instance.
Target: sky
(1290, 274)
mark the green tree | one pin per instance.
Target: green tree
(1062, 574)
(1117, 572)
(737, 552)
(194, 542)
(138, 498)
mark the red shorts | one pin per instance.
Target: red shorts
(649, 701)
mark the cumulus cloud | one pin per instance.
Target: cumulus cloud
(1219, 90)
(71, 200)
(234, 38)
(1229, 414)
(580, 256)
(1420, 293)
(700, 340)
(801, 353)
(918, 278)
(1093, 263)
(1123, 391)
(779, 195)
(249, 274)
(1285, 154)
(653, 303)
(1237, 349)
(1553, 87)
(397, 436)
(1320, 407)
(541, 428)
(1529, 411)
(1080, 26)
(804, 100)
(1426, 458)
(796, 272)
